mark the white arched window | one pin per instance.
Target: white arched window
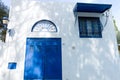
(44, 26)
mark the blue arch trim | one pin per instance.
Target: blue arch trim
(44, 20)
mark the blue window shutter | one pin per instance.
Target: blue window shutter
(91, 27)
(92, 23)
(99, 28)
(82, 26)
(86, 33)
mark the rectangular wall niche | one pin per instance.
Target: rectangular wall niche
(12, 65)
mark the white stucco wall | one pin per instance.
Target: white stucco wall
(82, 58)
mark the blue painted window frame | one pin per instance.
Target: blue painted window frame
(94, 25)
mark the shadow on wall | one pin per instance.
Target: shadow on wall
(91, 59)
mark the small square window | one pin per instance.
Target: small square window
(90, 27)
(12, 65)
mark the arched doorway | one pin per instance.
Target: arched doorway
(43, 59)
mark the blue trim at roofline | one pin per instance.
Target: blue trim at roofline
(89, 7)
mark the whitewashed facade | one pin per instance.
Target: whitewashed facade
(82, 58)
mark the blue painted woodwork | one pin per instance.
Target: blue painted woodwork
(88, 7)
(12, 65)
(90, 27)
(43, 59)
(44, 26)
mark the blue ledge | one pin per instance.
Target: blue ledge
(87, 7)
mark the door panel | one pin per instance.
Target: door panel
(52, 69)
(43, 59)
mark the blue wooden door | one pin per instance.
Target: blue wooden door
(43, 59)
